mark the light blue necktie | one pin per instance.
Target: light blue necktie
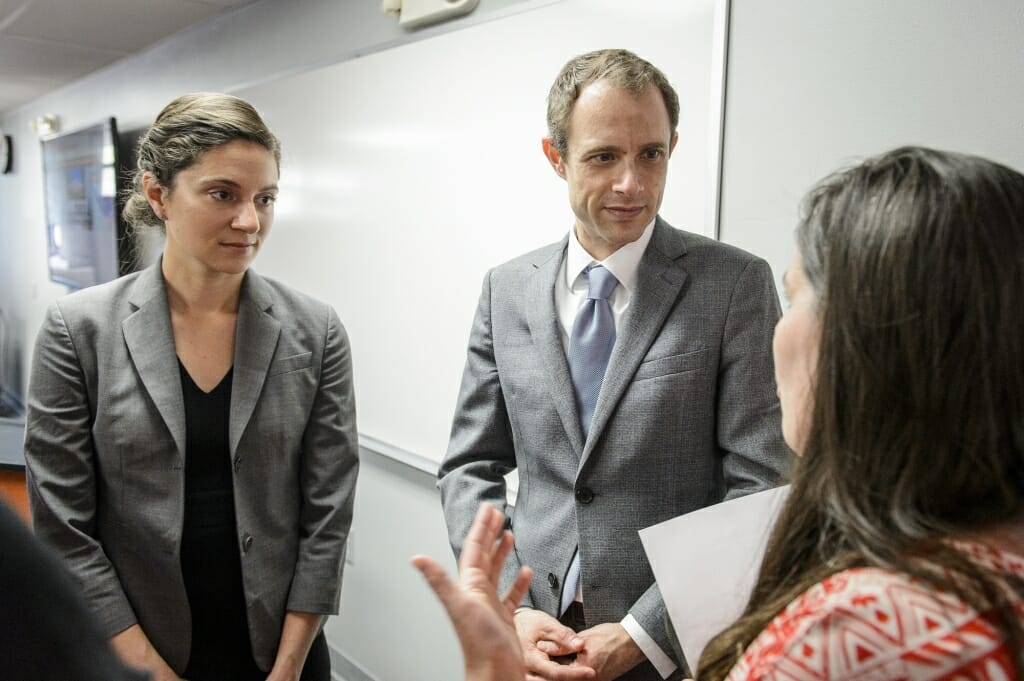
(591, 342)
(590, 346)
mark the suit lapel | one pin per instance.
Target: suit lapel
(255, 340)
(660, 278)
(150, 340)
(547, 339)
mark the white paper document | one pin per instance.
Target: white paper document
(706, 562)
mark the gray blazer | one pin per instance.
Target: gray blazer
(105, 440)
(687, 417)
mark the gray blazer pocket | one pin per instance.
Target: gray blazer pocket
(674, 364)
(288, 364)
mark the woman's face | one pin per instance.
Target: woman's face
(219, 210)
(795, 347)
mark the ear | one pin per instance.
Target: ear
(155, 193)
(672, 144)
(554, 156)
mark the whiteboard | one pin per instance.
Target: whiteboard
(408, 173)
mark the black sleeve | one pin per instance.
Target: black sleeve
(48, 632)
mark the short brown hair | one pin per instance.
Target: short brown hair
(621, 68)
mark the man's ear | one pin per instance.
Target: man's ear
(554, 156)
(672, 144)
(155, 193)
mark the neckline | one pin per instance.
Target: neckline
(224, 382)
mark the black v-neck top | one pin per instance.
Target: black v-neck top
(210, 562)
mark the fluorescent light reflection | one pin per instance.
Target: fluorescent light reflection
(304, 188)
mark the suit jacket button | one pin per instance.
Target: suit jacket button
(584, 495)
(247, 543)
(552, 581)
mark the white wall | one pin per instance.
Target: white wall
(811, 84)
(816, 84)
(427, 171)
(251, 45)
(389, 621)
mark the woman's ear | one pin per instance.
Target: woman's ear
(155, 193)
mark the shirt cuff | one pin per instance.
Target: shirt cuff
(662, 662)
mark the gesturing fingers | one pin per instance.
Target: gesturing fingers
(479, 549)
(501, 551)
(516, 592)
(436, 577)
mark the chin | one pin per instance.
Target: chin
(794, 436)
(233, 268)
(620, 235)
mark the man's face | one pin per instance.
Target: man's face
(615, 164)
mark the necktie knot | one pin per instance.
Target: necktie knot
(602, 282)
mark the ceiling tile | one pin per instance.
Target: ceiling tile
(124, 25)
(47, 43)
(27, 58)
(29, 69)
(226, 3)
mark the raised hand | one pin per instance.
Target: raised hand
(483, 620)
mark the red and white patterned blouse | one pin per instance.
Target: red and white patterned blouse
(869, 624)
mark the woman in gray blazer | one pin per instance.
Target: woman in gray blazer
(191, 440)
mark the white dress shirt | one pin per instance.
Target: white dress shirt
(570, 292)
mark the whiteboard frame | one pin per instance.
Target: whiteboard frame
(716, 117)
(716, 144)
(418, 446)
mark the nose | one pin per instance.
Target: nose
(628, 180)
(247, 219)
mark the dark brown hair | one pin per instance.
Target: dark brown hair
(621, 68)
(917, 428)
(187, 128)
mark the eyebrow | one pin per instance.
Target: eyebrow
(612, 148)
(232, 183)
(601, 150)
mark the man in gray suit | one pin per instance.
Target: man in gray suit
(624, 371)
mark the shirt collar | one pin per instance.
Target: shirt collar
(623, 263)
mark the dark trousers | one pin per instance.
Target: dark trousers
(318, 662)
(317, 667)
(573, 617)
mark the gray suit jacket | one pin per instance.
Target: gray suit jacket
(105, 441)
(687, 417)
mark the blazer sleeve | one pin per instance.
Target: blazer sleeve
(480, 450)
(61, 471)
(330, 464)
(749, 423)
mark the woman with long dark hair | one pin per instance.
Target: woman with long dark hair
(900, 366)
(899, 553)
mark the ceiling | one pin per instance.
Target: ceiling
(47, 43)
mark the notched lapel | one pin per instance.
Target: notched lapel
(255, 340)
(150, 341)
(660, 279)
(547, 338)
